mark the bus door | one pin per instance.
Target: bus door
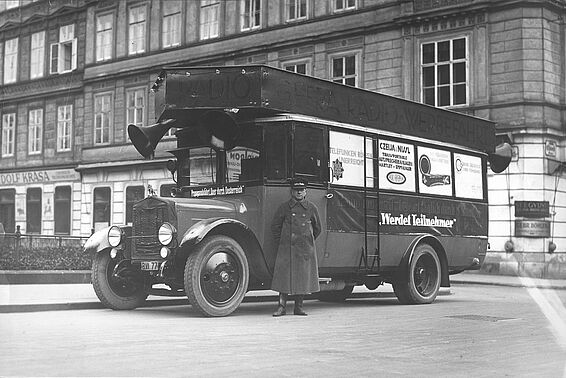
(352, 206)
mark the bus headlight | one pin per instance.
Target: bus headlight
(114, 236)
(166, 233)
(164, 252)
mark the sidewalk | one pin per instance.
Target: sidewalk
(66, 296)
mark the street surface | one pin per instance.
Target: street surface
(476, 331)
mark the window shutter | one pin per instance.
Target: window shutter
(54, 66)
(74, 55)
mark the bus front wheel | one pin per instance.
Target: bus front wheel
(422, 282)
(217, 276)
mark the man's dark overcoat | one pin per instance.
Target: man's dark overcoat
(295, 227)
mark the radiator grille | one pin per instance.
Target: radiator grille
(147, 218)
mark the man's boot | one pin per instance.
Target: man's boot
(282, 304)
(299, 305)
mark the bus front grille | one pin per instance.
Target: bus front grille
(146, 223)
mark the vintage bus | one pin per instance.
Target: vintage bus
(401, 188)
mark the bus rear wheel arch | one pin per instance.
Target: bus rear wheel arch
(216, 276)
(420, 281)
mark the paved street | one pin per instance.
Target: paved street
(479, 331)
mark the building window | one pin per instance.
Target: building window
(133, 195)
(298, 67)
(444, 70)
(209, 15)
(8, 134)
(296, 10)
(251, 14)
(101, 209)
(345, 70)
(344, 5)
(64, 53)
(64, 127)
(102, 118)
(62, 210)
(104, 37)
(135, 102)
(136, 31)
(10, 60)
(171, 34)
(33, 211)
(35, 134)
(37, 59)
(8, 209)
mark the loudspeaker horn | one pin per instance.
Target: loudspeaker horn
(145, 138)
(500, 159)
(219, 129)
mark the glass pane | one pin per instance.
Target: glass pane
(443, 51)
(428, 96)
(459, 48)
(350, 65)
(444, 74)
(351, 81)
(337, 67)
(459, 74)
(275, 149)
(428, 53)
(62, 210)
(460, 94)
(308, 157)
(444, 96)
(428, 76)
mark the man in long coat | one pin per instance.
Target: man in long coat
(295, 227)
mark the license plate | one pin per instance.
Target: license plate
(149, 265)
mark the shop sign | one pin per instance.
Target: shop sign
(532, 209)
(38, 176)
(532, 228)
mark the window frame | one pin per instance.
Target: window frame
(450, 62)
(344, 8)
(294, 63)
(135, 107)
(107, 203)
(59, 51)
(174, 36)
(209, 7)
(37, 55)
(357, 64)
(33, 205)
(130, 199)
(109, 116)
(297, 6)
(250, 14)
(35, 131)
(137, 26)
(66, 125)
(11, 61)
(57, 209)
(8, 134)
(103, 51)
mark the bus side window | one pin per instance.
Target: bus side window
(309, 152)
(275, 150)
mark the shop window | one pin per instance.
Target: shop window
(62, 210)
(101, 207)
(33, 211)
(8, 209)
(133, 195)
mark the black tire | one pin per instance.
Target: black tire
(422, 282)
(335, 295)
(124, 291)
(217, 276)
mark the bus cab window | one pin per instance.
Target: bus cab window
(309, 152)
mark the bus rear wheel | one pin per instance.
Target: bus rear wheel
(422, 282)
(117, 284)
(217, 276)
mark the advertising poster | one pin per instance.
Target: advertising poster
(234, 159)
(396, 165)
(435, 171)
(347, 159)
(468, 176)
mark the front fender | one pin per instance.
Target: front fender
(199, 230)
(97, 242)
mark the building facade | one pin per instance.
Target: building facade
(75, 73)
